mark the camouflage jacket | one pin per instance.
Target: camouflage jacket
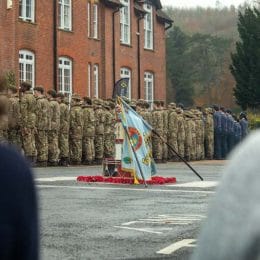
(181, 128)
(157, 121)
(100, 119)
(172, 124)
(64, 118)
(76, 122)
(89, 121)
(109, 123)
(54, 115)
(42, 113)
(14, 112)
(28, 108)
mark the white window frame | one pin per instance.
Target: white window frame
(89, 18)
(127, 73)
(96, 80)
(89, 79)
(95, 21)
(27, 10)
(26, 61)
(149, 87)
(125, 22)
(63, 23)
(148, 27)
(65, 65)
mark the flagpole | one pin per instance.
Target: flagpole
(173, 150)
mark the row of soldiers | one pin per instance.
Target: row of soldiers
(53, 132)
(50, 131)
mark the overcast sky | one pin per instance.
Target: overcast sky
(204, 3)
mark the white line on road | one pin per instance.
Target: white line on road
(197, 184)
(53, 179)
(176, 246)
(123, 189)
(141, 229)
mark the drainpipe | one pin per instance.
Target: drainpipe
(139, 56)
(55, 45)
(114, 46)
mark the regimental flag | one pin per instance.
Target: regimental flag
(121, 88)
(139, 133)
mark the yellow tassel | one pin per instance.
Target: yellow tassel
(136, 182)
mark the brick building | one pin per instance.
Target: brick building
(86, 46)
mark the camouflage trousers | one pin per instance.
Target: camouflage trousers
(173, 142)
(75, 145)
(198, 148)
(109, 146)
(88, 149)
(28, 140)
(181, 147)
(164, 148)
(41, 140)
(64, 145)
(193, 148)
(209, 146)
(53, 146)
(157, 148)
(99, 146)
(14, 138)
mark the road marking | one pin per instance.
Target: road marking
(197, 184)
(176, 246)
(147, 230)
(123, 189)
(53, 179)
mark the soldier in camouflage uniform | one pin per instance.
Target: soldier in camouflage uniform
(165, 115)
(109, 133)
(99, 130)
(180, 131)
(157, 124)
(42, 126)
(14, 118)
(76, 130)
(54, 129)
(193, 136)
(188, 135)
(4, 118)
(172, 131)
(64, 129)
(209, 133)
(28, 121)
(88, 147)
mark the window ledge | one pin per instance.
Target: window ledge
(126, 45)
(65, 30)
(95, 39)
(26, 21)
(151, 50)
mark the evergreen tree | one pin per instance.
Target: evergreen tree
(246, 61)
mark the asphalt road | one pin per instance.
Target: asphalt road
(104, 221)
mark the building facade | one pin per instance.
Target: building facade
(86, 46)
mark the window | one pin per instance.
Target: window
(89, 20)
(93, 20)
(89, 80)
(65, 75)
(149, 87)
(26, 10)
(148, 27)
(126, 73)
(26, 66)
(96, 80)
(65, 14)
(125, 22)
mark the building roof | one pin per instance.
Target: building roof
(139, 8)
(113, 3)
(163, 17)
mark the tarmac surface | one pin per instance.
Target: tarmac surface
(112, 221)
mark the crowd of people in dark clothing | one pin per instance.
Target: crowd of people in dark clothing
(229, 130)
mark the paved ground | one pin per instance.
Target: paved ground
(95, 221)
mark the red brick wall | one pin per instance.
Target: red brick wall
(38, 38)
